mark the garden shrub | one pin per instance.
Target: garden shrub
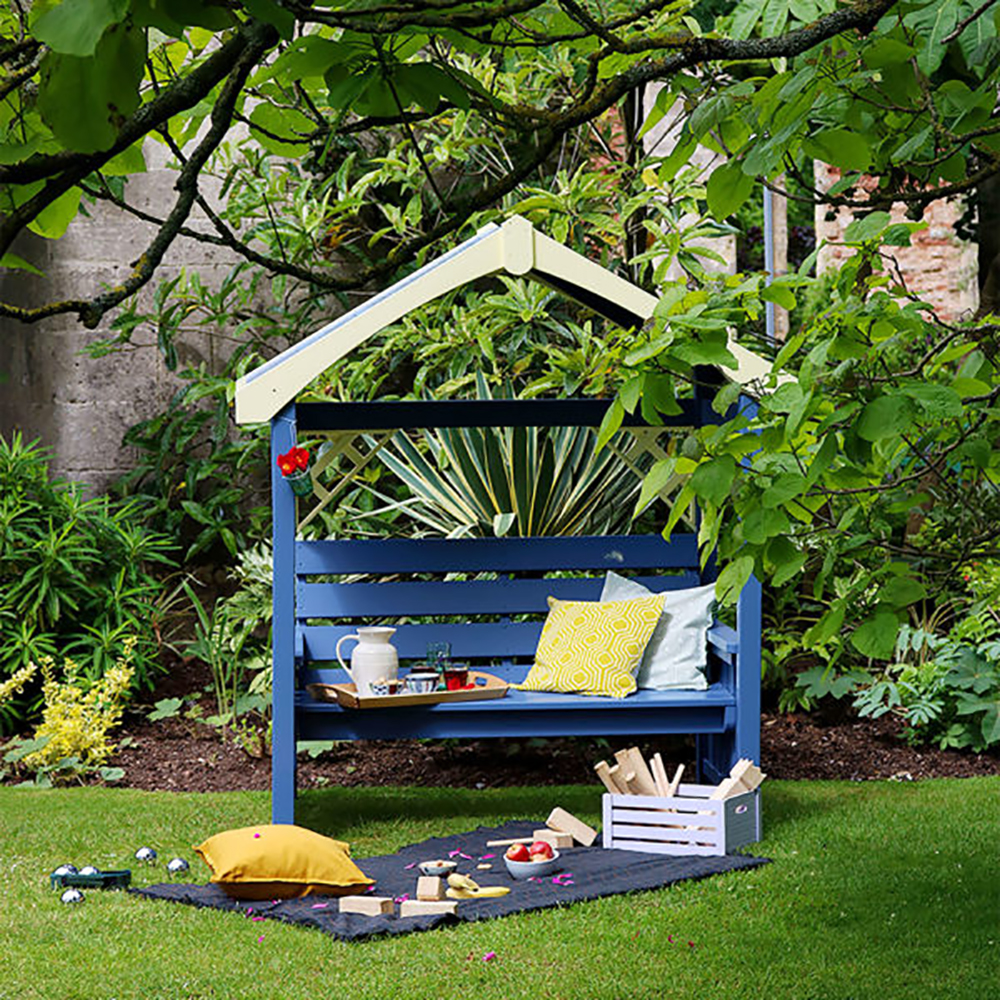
(72, 738)
(76, 577)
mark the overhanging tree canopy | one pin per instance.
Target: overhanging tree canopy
(903, 90)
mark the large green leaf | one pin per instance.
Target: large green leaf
(885, 417)
(840, 147)
(75, 27)
(732, 579)
(85, 99)
(728, 188)
(875, 637)
(53, 220)
(713, 480)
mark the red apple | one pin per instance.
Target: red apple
(542, 848)
(518, 852)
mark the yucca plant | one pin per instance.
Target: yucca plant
(516, 480)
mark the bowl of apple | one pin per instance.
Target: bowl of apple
(529, 860)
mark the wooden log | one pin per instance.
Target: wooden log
(660, 775)
(644, 783)
(615, 774)
(676, 783)
(426, 907)
(369, 906)
(430, 887)
(604, 773)
(566, 822)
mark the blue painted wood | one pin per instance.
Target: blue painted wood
(725, 718)
(477, 555)
(468, 597)
(748, 625)
(408, 415)
(283, 709)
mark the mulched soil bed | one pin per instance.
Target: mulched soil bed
(177, 756)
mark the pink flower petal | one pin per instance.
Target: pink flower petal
(468, 857)
(261, 938)
(486, 857)
(256, 836)
(670, 938)
(454, 854)
(402, 899)
(690, 944)
(257, 918)
(320, 906)
(409, 866)
(489, 956)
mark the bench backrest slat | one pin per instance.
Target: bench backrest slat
(468, 597)
(476, 555)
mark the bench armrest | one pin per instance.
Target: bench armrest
(723, 638)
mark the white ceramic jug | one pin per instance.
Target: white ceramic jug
(373, 659)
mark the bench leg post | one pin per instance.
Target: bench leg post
(283, 631)
(748, 623)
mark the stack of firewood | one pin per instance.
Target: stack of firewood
(631, 775)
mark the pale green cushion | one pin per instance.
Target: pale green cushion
(676, 656)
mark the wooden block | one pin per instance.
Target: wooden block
(370, 906)
(485, 867)
(430, 887)
(555, 838)
(604, 773)
(660, 775)
(426, 907)
(566, 822)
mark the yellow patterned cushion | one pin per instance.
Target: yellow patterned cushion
(590, 647)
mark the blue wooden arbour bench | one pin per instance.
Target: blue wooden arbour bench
(725, 718)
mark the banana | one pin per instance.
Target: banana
(463, 887)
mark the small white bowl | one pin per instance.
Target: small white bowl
(441, 868)
(529, 869)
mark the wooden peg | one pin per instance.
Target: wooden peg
(604, 773)
(660, 775)
(676, 783)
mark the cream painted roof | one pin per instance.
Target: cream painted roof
(515, 248)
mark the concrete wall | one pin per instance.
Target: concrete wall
(78, 406)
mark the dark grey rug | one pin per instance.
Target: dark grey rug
(586, 873)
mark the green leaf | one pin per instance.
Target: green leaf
(112, 773)
(786, 558)
(611, 423)
(713, 480)
(732, 579)
(784, 488)
(271, 13)
(885, 417)
(658, 477)
(128, 161)
(826, 628)
(936, 400)
(780, 294)
(867, 228)
(875, 637)
(16, 263)
(839, 147)
(283, 131)
(53, 220)
(75, 26)
(728, 189)
(85, 99)
(901, 591)
(165, 708)
(764, 523)
(700, 352)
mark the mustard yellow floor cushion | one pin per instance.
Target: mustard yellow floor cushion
(593, 647)
(280, 862)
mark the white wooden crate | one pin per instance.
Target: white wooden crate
(688, 823)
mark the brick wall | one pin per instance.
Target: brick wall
(939, 267)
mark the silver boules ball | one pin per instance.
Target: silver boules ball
(177, 865)
(88, 870)
(65, 870)
(146, 854)
(72, 896)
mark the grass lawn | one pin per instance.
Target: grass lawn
(878, 890)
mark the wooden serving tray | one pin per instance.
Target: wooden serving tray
(346, 695)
